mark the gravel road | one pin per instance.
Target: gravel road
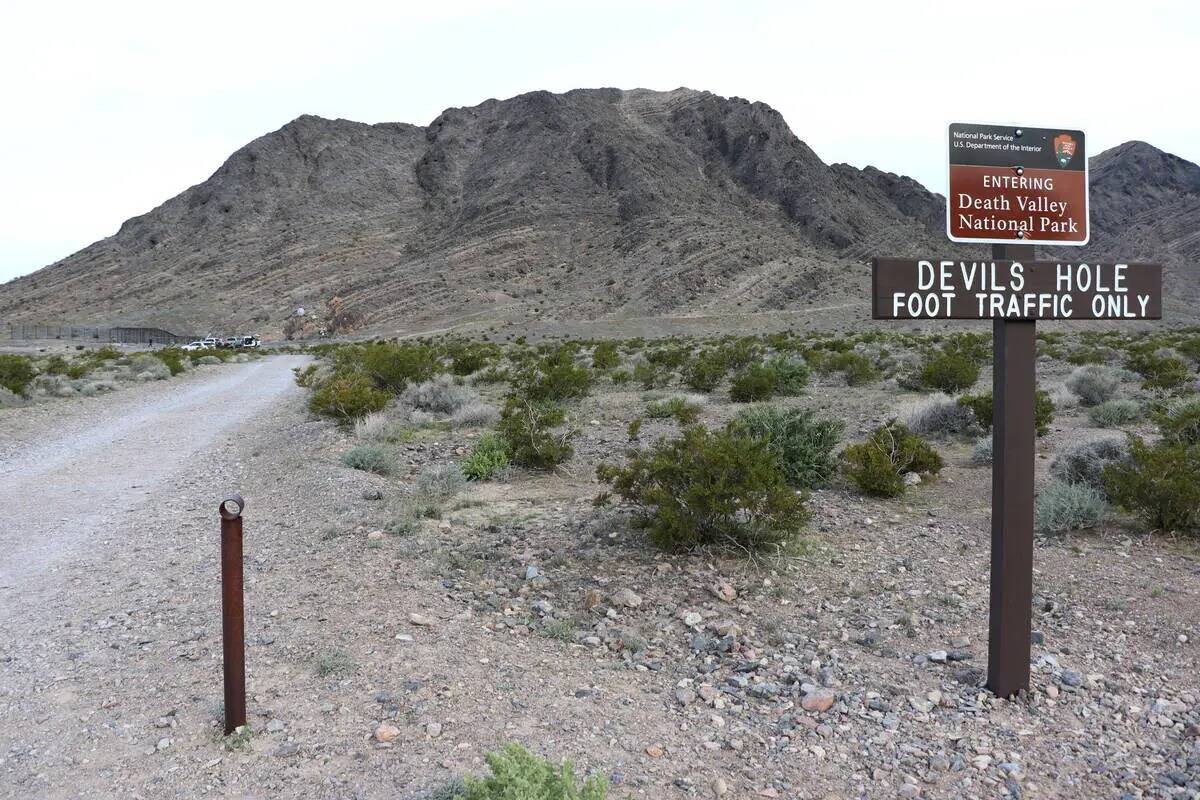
(96, 492)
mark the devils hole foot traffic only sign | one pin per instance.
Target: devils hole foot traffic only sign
(1014, 187)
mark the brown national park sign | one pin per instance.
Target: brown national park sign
(1018, 185)
(1014, 290)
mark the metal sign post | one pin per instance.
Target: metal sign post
(233, 617)
(1014, 187)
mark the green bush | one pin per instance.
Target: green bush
(649, 375)
(1158, 370)
(949, 371)
(391, 367)
(620, 377)
(527, 428)
(517, 774)
(371, 458)
(1162, 483)
(683, 411)
(981, 406)
(878, 466)
(706, 372)
(709, 487)
(1060, 507)
(1115, 412)
(55, 365)
(802, 442)
(605, 356)
(1180, 423)
(346, 397)
(791, 375)
(16, 372)
(755, 383)
(488, 458)
(467, 358)
(554, 378)
(855, 367)
(172, 357)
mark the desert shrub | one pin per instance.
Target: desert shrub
(1180, 423)
(1084, 461)
(55, 365)
(1060, 507)
(475, 414)
(10, 399)
(981, 453)
(1115, 412)
(438, 395)
(802, 442)
(172, 357)
(467, 358)
(706, 371)
(605, 356)
(855, 367)
(1062, 398)
(878, 466)
(207, 360)
(755, 383)
(492, 375)
(1159, 370)
(683, 410)
(1094, 384)
(1090, 354)
(981, 406)
(938, 415)
(634, 429)
(16, 372)
(517, 774)
(1161, 482)
(949, 370)
(709, 487)
(391, 366)
(739, 353)
(346, 397)
(308, 376)
(791, 375)
(371, 458)
(441, 481)
(649, 375)
(149, 370)
(488, 458)
(620, 377)
(554, 378)
(372, 427)
(529, 432)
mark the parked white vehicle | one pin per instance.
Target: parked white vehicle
(194, 346)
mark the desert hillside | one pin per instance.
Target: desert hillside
(590, 205)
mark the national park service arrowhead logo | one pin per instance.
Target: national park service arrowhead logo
(1064, 149)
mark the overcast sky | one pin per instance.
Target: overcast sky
(111, 108)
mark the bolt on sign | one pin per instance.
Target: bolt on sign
(1013, 184)
(1014, 187)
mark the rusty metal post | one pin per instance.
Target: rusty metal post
(233, 616)
(1014, 351)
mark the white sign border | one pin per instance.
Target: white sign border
(1087, 191)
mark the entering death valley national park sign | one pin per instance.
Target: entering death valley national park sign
(1012, 185)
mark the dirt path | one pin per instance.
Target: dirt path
(95, 494)
(80, 475)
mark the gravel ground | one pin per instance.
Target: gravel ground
(526, 614)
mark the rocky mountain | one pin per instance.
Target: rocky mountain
(590, 204)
